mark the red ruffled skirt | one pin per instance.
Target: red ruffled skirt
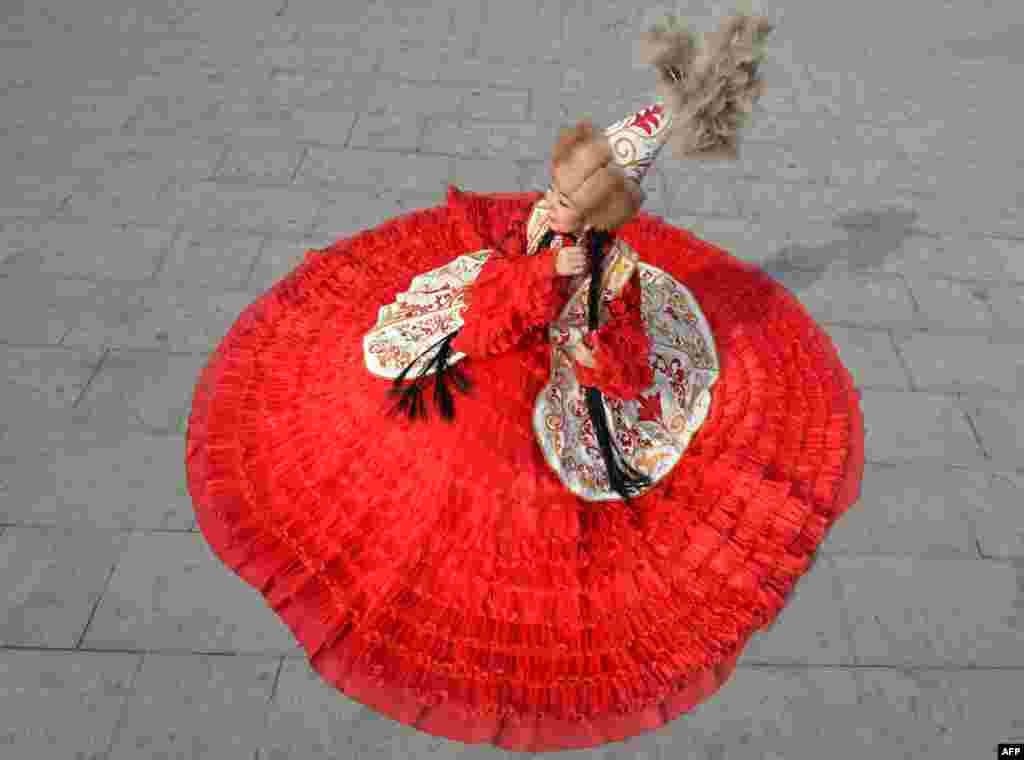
(441, 574)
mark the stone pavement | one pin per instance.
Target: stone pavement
(164, 162)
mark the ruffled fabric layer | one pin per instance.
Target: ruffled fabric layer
(440, 573)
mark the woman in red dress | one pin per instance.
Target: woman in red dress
(625, 475)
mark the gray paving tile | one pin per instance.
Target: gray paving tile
(477, 139)
(375, 170)
(693, 194)
(802, 714)
(406, 98)
(963, 362)
(939, 714)
(963, 257)
(43, 378)
(498, 72)
(193, 705)
(240, 207)
(170, 592)
(912, 610)
(949, 303)
(387, 131)
(210, 259)
(62, 704)
(311, 718)
(186, 319)
(1000, 424)
(870, 357)
(346, 56)
(1000, 523)
(151, 158)
(346, 212)
(830, 246)
(772, 200)
(258, 161)
(32, 188)
(96, 250)
(17, 235)
(53, 578)
(41, 309)
(141, 391)
(258, 117)
(277, 258)
(760, 243)
(901, 426)
(174, 111)
(96, 474)
(862, 298)
(809, 629)
(127, 181)
(305, 89)
(487, 175)
(1008, 305)
(920, 511)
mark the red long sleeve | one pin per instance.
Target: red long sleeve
(621, 349)
(512, 296)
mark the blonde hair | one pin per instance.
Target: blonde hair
(582, 163)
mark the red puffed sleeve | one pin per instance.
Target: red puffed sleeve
(621, 349)
(512, 296)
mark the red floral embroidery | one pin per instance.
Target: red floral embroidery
(647, 119)
(650, 408)
(621, 349)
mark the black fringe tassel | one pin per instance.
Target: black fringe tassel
(624, 479)
(410, 394)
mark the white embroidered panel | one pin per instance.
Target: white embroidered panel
(421, 316)
(651, 434)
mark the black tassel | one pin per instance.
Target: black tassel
(622, 478)
(410, 394)
(546, 240)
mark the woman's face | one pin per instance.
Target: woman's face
(562, 215)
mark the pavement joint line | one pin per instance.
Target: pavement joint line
(277, 680)
(92, 376)
(144, 652)
(115, 733)
(298, 165)
(95, 606)
(176, 236)
(845, 623)
(902, 360)
(973, 426)
(221, 158)
(990, 467)
(351, 130)
(298, 656)
(264, 241)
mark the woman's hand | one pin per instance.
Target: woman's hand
(571, 260)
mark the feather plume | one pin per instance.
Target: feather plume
(709, 87)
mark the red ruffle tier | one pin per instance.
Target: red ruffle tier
(442, 575)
